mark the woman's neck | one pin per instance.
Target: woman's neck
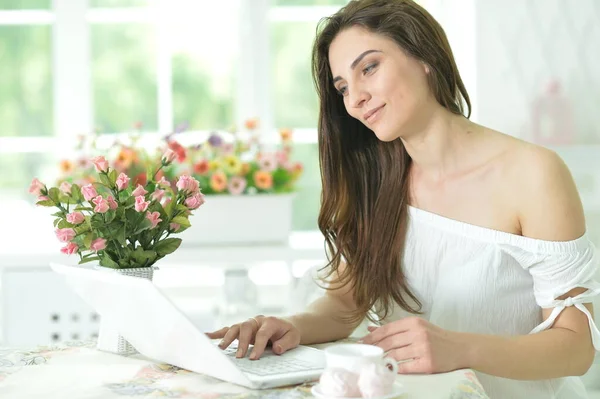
(441, 146)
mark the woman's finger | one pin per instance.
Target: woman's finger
(404, 354)
(247, 330)
(261, 340)
(396, 341)
(230, 336)
(288, 341)
(217, 334)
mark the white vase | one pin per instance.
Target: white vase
(264, 219)
(109, 339)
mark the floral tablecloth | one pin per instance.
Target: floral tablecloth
(76, 370)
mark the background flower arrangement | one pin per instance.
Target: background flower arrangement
(232, 163)
(240, 164)
(127, 157)
(118, 224)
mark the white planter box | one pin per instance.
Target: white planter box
(241, 220)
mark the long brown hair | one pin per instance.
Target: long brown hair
(364, 202)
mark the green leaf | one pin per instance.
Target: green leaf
(169, 208)
(142, 256)
(120, 236)
(167, 246)
(86, 260)
(83, 208)
(81, 228)
(56, 221)
(76, 193)
(54, 194)
(108, 262)
(143, 225)
(110, 216)
(45, 203)
(182, 221)
(123, 195)
(96, 221)
(104, 179)
(63, 224)
(112, 176)
(87, 240)
(65, 199)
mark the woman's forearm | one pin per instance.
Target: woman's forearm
(320, 322)
(554, 353)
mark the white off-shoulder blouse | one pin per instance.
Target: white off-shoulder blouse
(478, 280)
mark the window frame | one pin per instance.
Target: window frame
(72, 86)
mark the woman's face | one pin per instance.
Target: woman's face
(382, 87)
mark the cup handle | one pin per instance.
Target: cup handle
(391, 364)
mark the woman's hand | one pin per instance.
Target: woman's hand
(418, 346)
(259, 331)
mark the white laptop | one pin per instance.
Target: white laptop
(159, 330)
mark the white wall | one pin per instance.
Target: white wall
(522, 45)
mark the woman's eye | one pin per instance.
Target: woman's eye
(369, 68)
(342, 90)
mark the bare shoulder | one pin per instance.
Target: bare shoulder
(548, 203)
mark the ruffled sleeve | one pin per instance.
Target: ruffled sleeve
(559, 267)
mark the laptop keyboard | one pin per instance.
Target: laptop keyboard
(270, 364)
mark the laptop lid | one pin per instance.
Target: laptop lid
(150, 321)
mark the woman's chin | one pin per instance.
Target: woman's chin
(385, 136)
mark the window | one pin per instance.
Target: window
(293, 25)
(69, 67)
(26, 81)
(124, 77)
(25, 4)
(204, 47)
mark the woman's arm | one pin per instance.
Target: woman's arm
(563, 350)
(550, 209)
(320, 322)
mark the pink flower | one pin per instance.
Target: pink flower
(70, 249)
(169, 156)
(188, 183)
(140, 204)
(122, 181)
(268, 162)
(65, 187)
(112, 203)
(227, 148)
(43, 198)
(75, 218)
(65, 235)
(139, 190)
(158, 195)
(163, 183)
(98, 244)
(174, 226)
(101, 204)
(89, 192)
(237, 185)
(154, 217)
(195, 201)
(100, 163)
(36, 187)
(283, 159)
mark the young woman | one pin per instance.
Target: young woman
(467, 247)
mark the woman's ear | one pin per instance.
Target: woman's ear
(426, 68)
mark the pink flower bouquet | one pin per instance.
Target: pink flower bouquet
(118, 225)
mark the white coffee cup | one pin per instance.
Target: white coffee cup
(353, 357)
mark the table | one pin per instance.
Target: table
(76, 370)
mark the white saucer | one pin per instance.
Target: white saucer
(397, 390)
